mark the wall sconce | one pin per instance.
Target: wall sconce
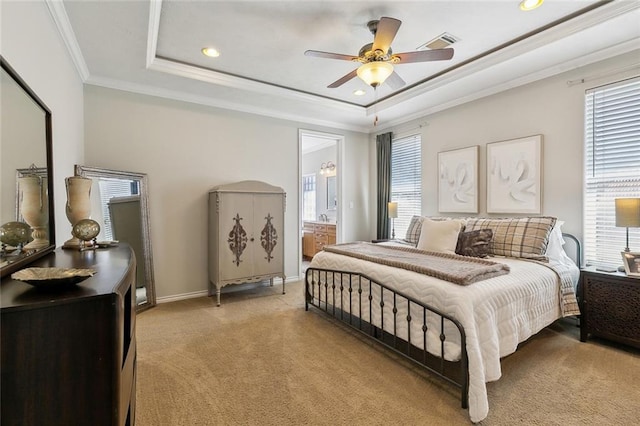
(327, 168)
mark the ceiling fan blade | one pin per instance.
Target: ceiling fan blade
(385, 33)
(328, 55)
(395, 81)
(339, 82)
(425, 55)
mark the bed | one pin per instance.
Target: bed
(457, 326)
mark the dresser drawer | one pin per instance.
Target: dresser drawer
(319, 228)
(321, 238)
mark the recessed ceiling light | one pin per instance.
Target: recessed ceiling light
(359, 92)
(527, 5)
(210, 51)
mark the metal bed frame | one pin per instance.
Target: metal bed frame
(335, 283)
(325, 287)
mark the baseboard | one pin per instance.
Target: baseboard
(227, 289)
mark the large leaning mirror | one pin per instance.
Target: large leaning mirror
(120, 204)
(27, 229)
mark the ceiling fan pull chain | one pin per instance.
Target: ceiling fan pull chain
(375, 106)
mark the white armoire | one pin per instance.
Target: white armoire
(246, 234)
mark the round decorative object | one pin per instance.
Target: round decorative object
(15, 233)
(86, 229)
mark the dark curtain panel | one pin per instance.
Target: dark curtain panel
(383, 143)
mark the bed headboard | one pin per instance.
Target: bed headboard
(577, 249)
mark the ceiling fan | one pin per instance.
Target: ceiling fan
(377, 58)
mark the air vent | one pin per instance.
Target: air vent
(440, 42)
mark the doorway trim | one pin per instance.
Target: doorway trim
(339, 140)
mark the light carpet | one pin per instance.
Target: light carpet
(261, 359)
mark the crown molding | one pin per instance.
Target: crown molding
(216, 103)
(155, 10)
(61, 19)
(558, 32)
(209, 76)
(601, 55)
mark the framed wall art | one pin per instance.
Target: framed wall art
(514, 176)
(458, 180)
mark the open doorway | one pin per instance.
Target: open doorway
(320, 189)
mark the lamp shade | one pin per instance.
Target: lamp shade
(375, 73)
(393, 209)
(628, 212)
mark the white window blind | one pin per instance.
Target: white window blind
(612, 168)
(406, 180)
(110, 188)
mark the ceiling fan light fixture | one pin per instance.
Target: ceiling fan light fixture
(375, 73)
(527, 5)
(210, 52)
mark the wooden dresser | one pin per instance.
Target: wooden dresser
(315, 236)
(69, 356)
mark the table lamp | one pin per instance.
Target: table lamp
(393, 213)
(628, 215)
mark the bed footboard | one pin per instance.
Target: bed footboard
(360, 302)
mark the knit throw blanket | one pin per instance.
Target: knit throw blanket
(449, 267)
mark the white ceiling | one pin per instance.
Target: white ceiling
(153, 47)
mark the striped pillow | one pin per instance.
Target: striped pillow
(525, 237)
(413, 231)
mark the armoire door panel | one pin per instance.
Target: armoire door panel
(236, 245)
(268, 222)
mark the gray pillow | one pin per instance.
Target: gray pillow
(474, 243)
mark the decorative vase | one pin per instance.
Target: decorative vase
(78, 205)
(35, 209)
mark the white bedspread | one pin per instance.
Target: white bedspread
(497, 313)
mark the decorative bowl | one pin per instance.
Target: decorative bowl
(53, 277)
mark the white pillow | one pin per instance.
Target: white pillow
(554, 247)
(440, 235)
(555, 250)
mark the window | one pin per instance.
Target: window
(406, 180)
(309, 197)
(612, 168)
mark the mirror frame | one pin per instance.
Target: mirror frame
(97, 172)
(21, 263)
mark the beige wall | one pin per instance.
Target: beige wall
(32, 45)
(186, 150)
(549, 107)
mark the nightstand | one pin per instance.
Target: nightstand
(609, 306)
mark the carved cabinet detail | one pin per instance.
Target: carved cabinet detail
(246, 234)
(610, 306)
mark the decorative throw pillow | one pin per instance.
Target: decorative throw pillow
(413, 231)
(440, 235)
(525, 237)
(474, 243)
